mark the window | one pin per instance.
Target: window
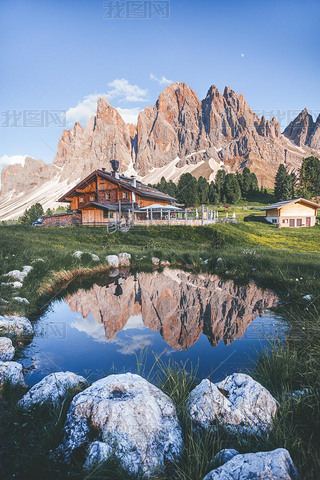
(105, 213)
(274, 220)
(125, 195)
(91, 198)
(285, 220)
(81, 199)
(111, 215)
(299, 222)
(292, 222)
(108, 196)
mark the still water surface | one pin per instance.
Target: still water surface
(186, 317)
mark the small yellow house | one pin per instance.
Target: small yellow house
(297, 212)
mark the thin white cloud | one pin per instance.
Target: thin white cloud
(126, 92)
(6, 160)
(161, 80)
(121, 90)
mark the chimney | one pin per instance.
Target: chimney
(115, 168)
(133, 181)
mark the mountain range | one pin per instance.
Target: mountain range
(179, 134)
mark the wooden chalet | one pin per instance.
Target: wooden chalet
(107, 197)
(297, 212)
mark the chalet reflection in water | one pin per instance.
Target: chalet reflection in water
(177, 304)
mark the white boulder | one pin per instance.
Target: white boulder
(11, 284)
(273, 465)
(77, 254)
(21, 300)
(19, 275)
(129, 417)
(238, 402)
(52, 389)
(6, 349)
(124, 259)
(11, 372)
(13, 324)
(113, 261)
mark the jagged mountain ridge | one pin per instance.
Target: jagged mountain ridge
(304, 131)
(179, 133)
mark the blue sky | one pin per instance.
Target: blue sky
(60, 55)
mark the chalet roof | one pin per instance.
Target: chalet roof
(104, 206)
(279, 205)
(125, 182)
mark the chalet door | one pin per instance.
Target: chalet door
(308, 221)
(292, 222)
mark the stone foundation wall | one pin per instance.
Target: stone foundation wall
(62, 220)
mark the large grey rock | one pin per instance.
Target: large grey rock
(124, 259)
(274, 465)
(11, 372)
(6, 349)
(14, 324)
(130, 417)
(113, 261)
(52, 389)
(238, 402)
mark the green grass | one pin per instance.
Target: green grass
(285, 260)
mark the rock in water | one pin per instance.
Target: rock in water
(238, 402)
(124, 259)
(11, 372)
(274, 465)
(52, 389)
(16, 325)
(113, 261)
(129, 417)
(6, 349)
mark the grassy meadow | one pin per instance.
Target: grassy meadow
(285, 260)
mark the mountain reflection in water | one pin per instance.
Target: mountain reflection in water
(179, 305)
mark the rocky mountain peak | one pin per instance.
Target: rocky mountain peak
(300, 129)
